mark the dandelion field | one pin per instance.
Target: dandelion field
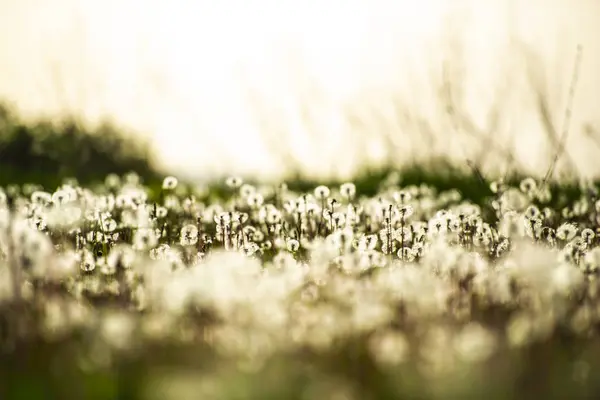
(236, 201)
(267, 292)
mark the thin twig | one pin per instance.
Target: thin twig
(568, 112)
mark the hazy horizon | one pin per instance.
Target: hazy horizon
(209, 82)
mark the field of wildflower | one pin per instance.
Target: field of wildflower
(264, 292)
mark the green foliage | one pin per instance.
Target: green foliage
(47, 152)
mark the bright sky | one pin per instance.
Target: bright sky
(206, 79)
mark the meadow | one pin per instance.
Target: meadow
(400, 284)
(417, 217)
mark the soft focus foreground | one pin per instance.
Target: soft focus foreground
(267, 86)
(266, 293)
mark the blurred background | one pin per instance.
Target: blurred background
(272, 87)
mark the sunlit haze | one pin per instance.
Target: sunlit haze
(244, 86)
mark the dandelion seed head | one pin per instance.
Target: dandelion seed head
(41, 198)
(188, 235)
(532, 212)
(234, 182)
(88, 262)
(348, 190)
(588, 235)
(528, 185)
(566, 231)
(170, 183)
(112, 181)
(322, 192)
(255, 200)
(60, 197)
(292, 245)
